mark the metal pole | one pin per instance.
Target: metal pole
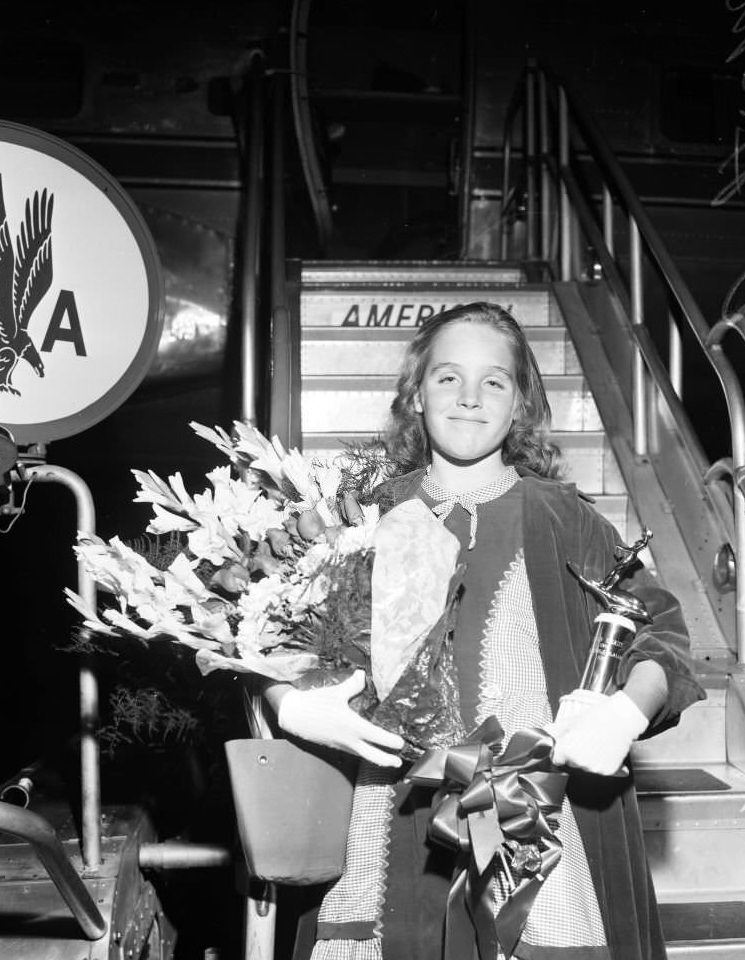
(740, 573)
(260, 911)
(252, 211)
(608, 219)
(675, 358)
(89, 749)
(284, 415)
(259, 924)
(177, 855)
(503, 239)
(637, 319)
(529, 119)
(468, 135)
(566, 215)
(545, 176)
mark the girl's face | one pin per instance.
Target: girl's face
(468, 394)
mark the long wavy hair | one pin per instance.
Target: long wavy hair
(526, 444)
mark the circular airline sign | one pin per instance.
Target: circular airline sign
(81, 292)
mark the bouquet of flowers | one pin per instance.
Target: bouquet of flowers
(270, 571)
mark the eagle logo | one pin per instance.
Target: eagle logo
(25, 276)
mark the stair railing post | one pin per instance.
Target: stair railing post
(530, 160)
(608, 219)
(675, 355)
(740, 581)
(253, 209)
(506, 162)
(736, 408)
(545, 176)
(637, 320)
(566, 213)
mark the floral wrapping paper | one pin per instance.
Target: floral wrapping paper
(415, 585)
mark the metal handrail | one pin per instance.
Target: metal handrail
(689, 309)
(284, 408)
(250, 132)
(647, 349)
(37, 831)
(508, 196)
(736, 409)
(89, 747)
(576, 212)
(309, 161)
(468, 136)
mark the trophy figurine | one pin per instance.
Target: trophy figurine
(616, 625)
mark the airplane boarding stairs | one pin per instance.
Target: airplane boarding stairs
(355, 320)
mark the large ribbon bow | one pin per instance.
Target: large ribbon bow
(490, 807)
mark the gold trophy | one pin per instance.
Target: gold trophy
(615, 627)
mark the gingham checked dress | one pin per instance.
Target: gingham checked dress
(389, 904)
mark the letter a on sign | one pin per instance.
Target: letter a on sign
(81, 289)
(72, 333)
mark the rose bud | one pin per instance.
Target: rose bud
(263, 560)
(232, 578)
(310, 525)
(279, 541)
(215, 605)
(352, 511)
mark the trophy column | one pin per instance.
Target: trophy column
(615, 627)
(613, 634)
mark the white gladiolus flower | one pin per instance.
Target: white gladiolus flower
(181, 585)
(211, 541)
(116, 567)
(245, 621)
(90, 616)
(328, 478)
(299, 471)
(166, 521)
(262, 515)
(264, 456)
(213, 625)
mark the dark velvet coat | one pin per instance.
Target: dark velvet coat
(560, 525)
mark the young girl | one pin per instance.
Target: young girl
(468, 437)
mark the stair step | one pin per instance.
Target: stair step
(699, 737)
(385, 272)
(588, 460)
(408, 307)
(361, 404)
(706, 931)
(707, 950)
(367, 351)
(695, 842)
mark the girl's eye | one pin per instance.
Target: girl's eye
(446, 378)
(495, 383)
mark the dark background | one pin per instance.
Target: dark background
(145, 88)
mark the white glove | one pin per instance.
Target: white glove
(323, 715)
(572, 705)
(594, 732)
